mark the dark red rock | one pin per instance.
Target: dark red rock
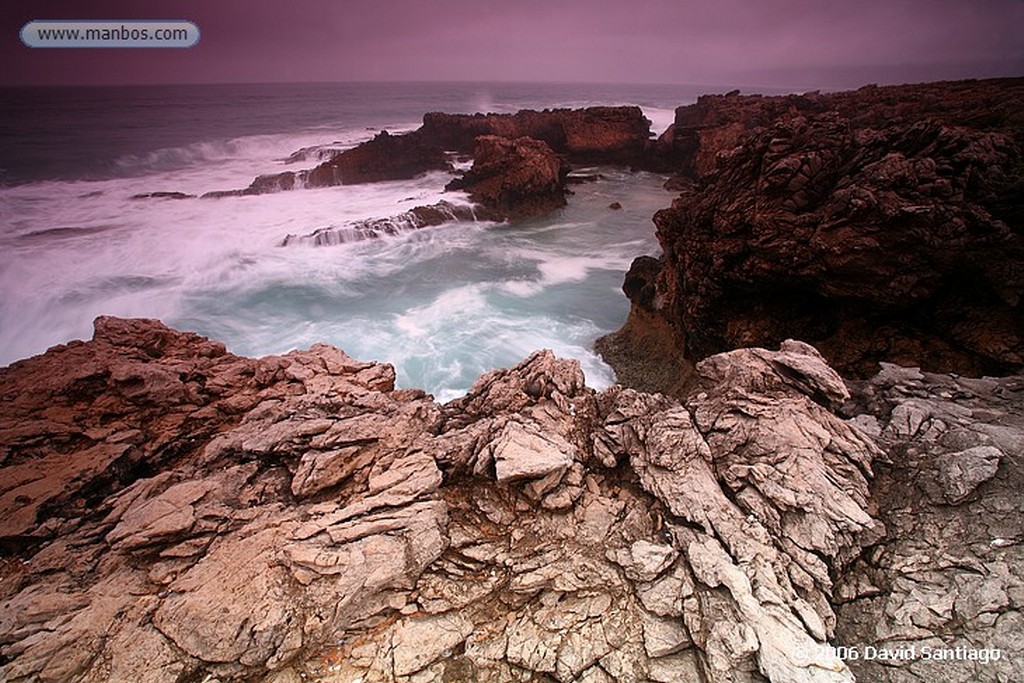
(719, 123)
(883, 224)
(385, 157)
(609, 135)
(514, 179)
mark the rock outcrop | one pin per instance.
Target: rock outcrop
(606, 135)
(945, 587)
(719, 123)
(385, 157)
(374, 228)
(514, 178)
(173, 512)
(595, 135)
(883, 224)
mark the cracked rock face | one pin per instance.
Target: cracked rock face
(176, 513)
(950, 572)
(882, 224)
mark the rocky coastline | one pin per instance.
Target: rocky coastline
(742, 507)
(882, 224)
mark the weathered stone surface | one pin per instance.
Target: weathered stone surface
(514, 178)
(522, 454)
(962, 472)
(878, 225)
(312, 522)
(949, 572)
(419, 642)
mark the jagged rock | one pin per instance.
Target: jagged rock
(644, 561)
(717, 124)
(948, 574)
(608, 135)
(962, 472)
(419, 642)
(514, 178)
(882, 224)
(385, 157)
(523, 454)
(298, 517)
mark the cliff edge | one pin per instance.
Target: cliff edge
(883, 224)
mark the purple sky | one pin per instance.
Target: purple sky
(788, 43)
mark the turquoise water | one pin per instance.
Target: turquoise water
(449, 303)
(442, 304)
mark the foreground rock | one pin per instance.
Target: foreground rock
(946, 586)
(173, 512)
(883, 224)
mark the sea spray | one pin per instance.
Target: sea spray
(78, 245)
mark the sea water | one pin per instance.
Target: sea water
(441, 304)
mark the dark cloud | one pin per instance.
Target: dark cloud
(809, 43)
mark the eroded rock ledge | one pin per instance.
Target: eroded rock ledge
(171, 512)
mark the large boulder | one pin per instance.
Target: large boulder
(514, 178)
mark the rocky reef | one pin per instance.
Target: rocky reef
(521, 160)
(172, 512)
(880, 225)
(514, 177)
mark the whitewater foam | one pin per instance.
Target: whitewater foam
(443, 304)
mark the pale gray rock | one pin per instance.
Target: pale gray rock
(948, 573)
(962, 472)
(643, 560)
(416, 643)
(300, 519)
(522, 453)
(663, 637)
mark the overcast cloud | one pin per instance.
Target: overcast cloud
(786, 43)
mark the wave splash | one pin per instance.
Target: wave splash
(374, 228)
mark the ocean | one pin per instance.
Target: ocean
(441, 304)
